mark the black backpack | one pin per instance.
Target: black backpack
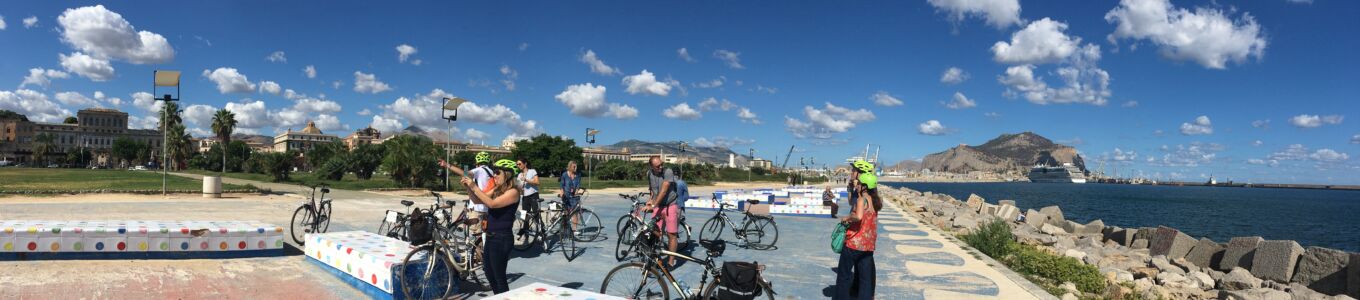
(420, 231)
(741, 280)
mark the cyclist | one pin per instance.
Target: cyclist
(503, 201)
(855, 271)
(571, 191)
(661, 182)
(528, 179)
(481, 175)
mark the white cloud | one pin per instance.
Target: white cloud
(33, 104)
(31, 21)
(1314, 121)
(746, 116)
(1084, 81)
(1329, 155)
(474, 134)
(1261, 123)
(588, 100)
(523, 46)
(960, 102)
(76, 99)
(277, 56)
(229, 80)
(364, 112)
(1192, 155)
(424, 110)
(645, 83)
(731, 59)
(711, 103)
(1257, 143)
(1291, 152)
(1121, 155)
(1300, 1)
(684, 55)
(1040, 42)
(386, 125)
(882, 98)
(510, 76)
(721, 142)
(1129, 104)
(2, 22)
(42, 77)
(932, 127)
(250, 114)
(316, 106)
(597, 65)
(1264, 162)
(405, 52)
(715, 83)
(199, 115)
(91, 67)
(765, 89)
(998, 13)
(1206, 35)
(1355, 139)
(682, 111)
(328, 123)
(146, 102)
(825, 123)
(270, 87)
(368, 83)
(105, 34)
(1200, 126)
(310, 71)
(953, 75)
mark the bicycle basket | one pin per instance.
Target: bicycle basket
(419, 230)
(741, 280)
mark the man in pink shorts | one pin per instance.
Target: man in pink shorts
(661, 182)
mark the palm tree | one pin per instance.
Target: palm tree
(41, 148)
(179, 146)
(223, 123)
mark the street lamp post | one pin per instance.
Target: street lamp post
(167, 79)
(450, 115)
(751, 164)
(590, 164)
(682, 159)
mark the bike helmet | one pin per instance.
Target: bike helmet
(868, 180)
(483, 157)
(507, 164)
(863, 166)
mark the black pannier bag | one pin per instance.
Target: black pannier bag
(420, 230)
(741, 280)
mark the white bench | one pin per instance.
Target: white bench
(57, 239)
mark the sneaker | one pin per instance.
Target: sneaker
(576, 232)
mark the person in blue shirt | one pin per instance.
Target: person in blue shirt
(571, 191)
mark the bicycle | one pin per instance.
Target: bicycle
(452, 246)
(633, 220)
(754, 231)
(394, 222)
(643, 279)
(532, 227)
(312, 216)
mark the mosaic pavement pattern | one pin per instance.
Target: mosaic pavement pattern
(915, 259)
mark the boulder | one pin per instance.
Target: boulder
(1139, 244)
(1239, 253)
(1119, 261)
(1185, 264)
(1206, 253)
(1238, 279)
(1174, 280)
(1353, 276)
(1144, 272)
(1298, 291)
(975, 202)
(1122, 236)
(1323, 270)
(1053, 230)
(964, 221)
(1164, 265)
(1072, 227)
(1036, 218)
(1006, 202)
(1144, 233)
(1088, 242)
(988, 209)
(1170, 242)
(1204, 281)
(1055, 215)
(1095, 227)
(1074, 253)
(1275, 260)
(1255, 294)
(1008, 212)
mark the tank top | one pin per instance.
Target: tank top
(500, 220)
(863, 236)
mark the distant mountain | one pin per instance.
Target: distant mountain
(709, 155)
(905, 166)
(1008, 152)
(252, 138)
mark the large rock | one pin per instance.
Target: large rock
(1072, 227)
(1239, 253)
(1206, 254)
(1165, 265)
(1006, 202)
(1139, 244)
(1298, 291)
(1239, 279)
(1353, 276)
(1055, 215)
(1050, 229)
(1094, 227)
(1275, 260)
(1323, 270)
(1256, 294)
(1144, 233)
(1170, 242)
(1008, 212)
(964, 221)
(988, 209)
(1122, 236)
(1036, 218)
(1205, 282)
(975, 202)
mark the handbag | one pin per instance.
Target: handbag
(838, 237)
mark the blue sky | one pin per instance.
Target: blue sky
(1273, 80)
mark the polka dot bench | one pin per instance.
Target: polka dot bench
(791, 201)
(115, 239)
(362, 259)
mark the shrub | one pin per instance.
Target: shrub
(1029, 260)
(335, 168)
(365, 159)
(411, 161)
(278, 165)
(993, 238)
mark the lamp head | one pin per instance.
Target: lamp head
(450, 108)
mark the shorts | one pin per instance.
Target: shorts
(571, 202)
(670, 216)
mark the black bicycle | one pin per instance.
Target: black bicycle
(312, 216)
(757, 231)
(552, 218)
(394, 222)
(454, 251)
(649, 278)
(631, 222)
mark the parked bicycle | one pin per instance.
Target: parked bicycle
(629, 223)
(648, 278)
(453, 252)
(553, 219)
(311, 217)
(394, 222)
(756, 231)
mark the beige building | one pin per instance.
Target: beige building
(95, 129)
(303, 140)
(762, 163)
(605, 154)
(363, 137)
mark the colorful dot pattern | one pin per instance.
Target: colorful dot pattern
(123, 236)
(365, 256)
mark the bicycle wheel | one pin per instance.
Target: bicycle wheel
(712, 230)
(588, 224)
(634, 281)
(324, 220)
(682, 237)
(624, 246)
(302, 222)
(760, 233)
(566, 239)
(426, 273)
(525, 237)
(623, 220)
(711, 292)
(398, 232)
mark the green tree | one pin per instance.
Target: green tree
(180, 146)
(126, 150)
(42, 146)
(223, 123)
(322, 153)
(412, 161)
(549, 154)
(78, 157)
(6, 114)
(336, 167)
(278, 164)
(70, 120)
(365, 160)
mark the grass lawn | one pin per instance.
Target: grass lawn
(349, 182)
(31, 179)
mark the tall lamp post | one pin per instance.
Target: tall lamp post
(164, 78)
(751, 164)
(590, 165)
(682, 159)
(450, 115)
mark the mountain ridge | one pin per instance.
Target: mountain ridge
(1009, 152)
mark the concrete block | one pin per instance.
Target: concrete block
(988, 209)
(1036, 218)
(1239, 279)
(1239, 253)
(1323, 270)
(1006, 202)
(1008, 212)
(1072, 227)
(1055, 215)
(1122, 236)
(1144, 233)
(975, 202)
(1053, 230)
(1256, 294)
(1206, 253)
(1094, 227)
(1353, 276)
(1139, 244)
(1276, 259)
(1170, 242)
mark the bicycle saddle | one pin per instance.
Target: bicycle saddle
(472, 221)
(407, 203)
(752, 201)
(714, 247)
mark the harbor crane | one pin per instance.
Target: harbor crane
(785, 164)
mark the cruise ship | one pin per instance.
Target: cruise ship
(1067, 173)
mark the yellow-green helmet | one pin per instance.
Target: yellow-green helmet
(863, 166)
(507, 164)
(483, 157)
(869, 180)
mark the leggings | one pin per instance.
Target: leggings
(497, 254)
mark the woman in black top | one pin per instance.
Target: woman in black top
(503, 202)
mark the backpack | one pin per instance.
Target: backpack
(681, 193)
(419, 230)
(741, 280)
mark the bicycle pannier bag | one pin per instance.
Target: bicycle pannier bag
(420, 230)
(741, 280)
